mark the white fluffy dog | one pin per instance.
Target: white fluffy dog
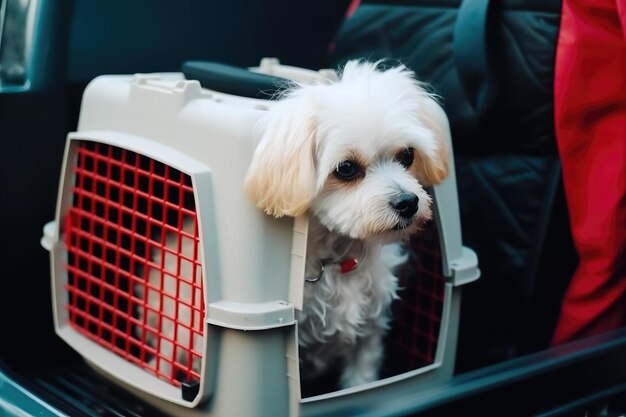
(355, 155)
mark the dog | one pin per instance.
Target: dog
(355, 155)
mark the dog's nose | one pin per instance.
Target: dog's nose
(405, 204)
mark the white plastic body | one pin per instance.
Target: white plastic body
(253, 264)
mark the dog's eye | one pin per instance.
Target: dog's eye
(348, 170)
(405, 157)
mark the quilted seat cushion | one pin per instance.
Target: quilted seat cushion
(419, 33)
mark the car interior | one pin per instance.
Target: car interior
(510, 192)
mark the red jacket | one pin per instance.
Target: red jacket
(590, 121)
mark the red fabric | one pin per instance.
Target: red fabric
(590, 120)
(354, 4)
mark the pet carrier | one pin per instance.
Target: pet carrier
(207, 326)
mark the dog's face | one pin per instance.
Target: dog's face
(357, 153)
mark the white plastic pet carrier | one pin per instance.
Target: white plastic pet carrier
(215, 334)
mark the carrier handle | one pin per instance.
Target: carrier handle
(234, 80)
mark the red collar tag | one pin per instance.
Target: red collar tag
(348, 265)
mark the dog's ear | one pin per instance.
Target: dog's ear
(433, 167)
(281, 178)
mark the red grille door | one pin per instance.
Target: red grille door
(134, 278)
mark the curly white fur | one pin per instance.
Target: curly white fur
(344, 316)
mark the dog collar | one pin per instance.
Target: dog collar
(345, 266)
(348, 265)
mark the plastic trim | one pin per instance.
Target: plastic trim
(250, 316)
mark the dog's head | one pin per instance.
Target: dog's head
(355, 153)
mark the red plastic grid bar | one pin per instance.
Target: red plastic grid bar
(134, 280)
(418, 313)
